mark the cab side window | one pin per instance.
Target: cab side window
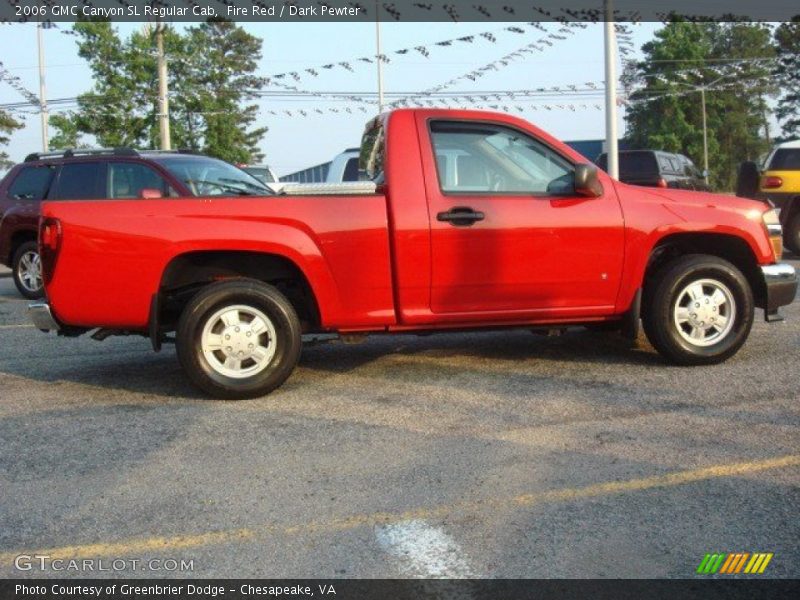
(488, 158)
(128, 179)
(80, 181)
(31, 183)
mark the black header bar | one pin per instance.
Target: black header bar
(394, 589)
(342, 11)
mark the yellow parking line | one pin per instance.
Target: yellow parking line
(182, 542)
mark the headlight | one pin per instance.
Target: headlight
(773, 226)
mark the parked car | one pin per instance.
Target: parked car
(345, 167)
(93, 174)
(472, 220)
(780, 184)
(261, 172)
(654, 168)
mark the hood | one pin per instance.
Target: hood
(695, 198)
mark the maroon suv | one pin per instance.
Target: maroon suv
(119, 173)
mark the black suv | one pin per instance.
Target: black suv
(100, 174)
(655, 168)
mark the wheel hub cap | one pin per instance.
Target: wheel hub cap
(704, 312)
(30, 271)
(239, 341)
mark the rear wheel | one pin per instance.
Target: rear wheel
(238, 339)
(27, 269)
(698, 310)
(791, 235)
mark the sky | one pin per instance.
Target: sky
(294, 143)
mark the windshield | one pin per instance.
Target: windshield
(206, 176)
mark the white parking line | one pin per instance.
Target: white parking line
(424, 550)
(24, 326)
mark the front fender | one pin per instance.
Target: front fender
(649, 223)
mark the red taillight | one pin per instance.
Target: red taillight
(51, 234)
(49, 245)
(662, 183)
(771, 182)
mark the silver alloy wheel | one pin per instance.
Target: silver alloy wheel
(704, 312)
(29, 271)
(238, 341)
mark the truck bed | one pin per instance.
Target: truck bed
(114, 253)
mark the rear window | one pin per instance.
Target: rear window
(633, 164)
(31, 183)
(80, 181)
(785, 159)
(371, 157)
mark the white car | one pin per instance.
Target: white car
(261, 172)
(344, 168)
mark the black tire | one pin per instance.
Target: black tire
(791, 236)
(20, 267)
(666, 290)
(206, 369)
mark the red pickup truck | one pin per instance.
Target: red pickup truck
(474, 220)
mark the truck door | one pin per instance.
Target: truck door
(508, 233)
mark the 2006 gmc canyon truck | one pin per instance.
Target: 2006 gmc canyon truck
(474, 220)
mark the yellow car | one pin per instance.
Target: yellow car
(780, 183)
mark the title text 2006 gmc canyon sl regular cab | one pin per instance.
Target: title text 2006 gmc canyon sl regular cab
(476, 220)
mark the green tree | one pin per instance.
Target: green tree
(7, 126)
(122, 107)
(787, 72)
(666, 110)
(67, 133)
(221, 65)
(211, 77)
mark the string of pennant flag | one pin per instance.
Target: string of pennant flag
(16, 83)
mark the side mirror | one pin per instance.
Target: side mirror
(150, 193)
(586, 181)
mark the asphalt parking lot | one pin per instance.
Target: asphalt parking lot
(479, 455)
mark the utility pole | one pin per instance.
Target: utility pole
(43, 110)
(379, 57)
(612, 151)
(705, 133)
(702, 88)
(163, 100)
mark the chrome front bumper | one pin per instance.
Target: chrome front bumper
(41, 316)
(780, 282)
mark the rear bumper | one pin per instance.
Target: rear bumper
(42, 317)
(780, 281)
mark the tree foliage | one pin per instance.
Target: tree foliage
(211, 71)
(666, 111)
(7, 125)
(787, 72)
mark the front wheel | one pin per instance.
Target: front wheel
(238, 339)
(698, 310)
(27, 269)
